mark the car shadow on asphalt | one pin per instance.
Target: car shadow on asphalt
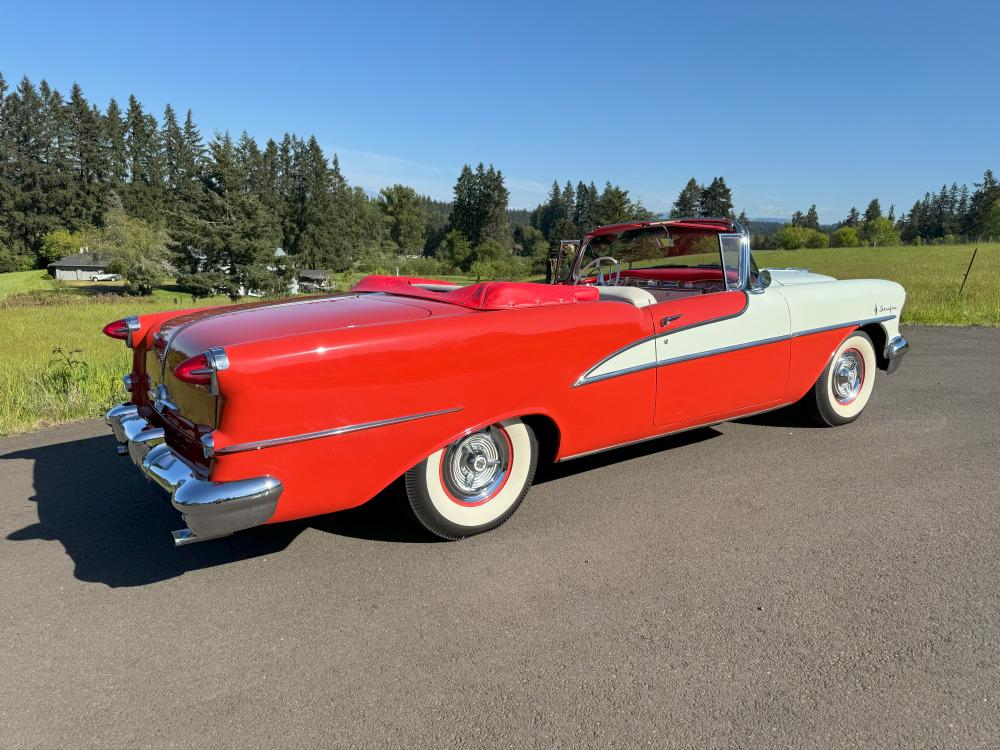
(115, 525)
(550, 471)
(786, 416)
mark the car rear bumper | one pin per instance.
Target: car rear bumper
(211, 509)
(894, 352)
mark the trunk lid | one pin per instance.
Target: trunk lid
(190, 411)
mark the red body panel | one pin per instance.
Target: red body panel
(700, 390)
(687, 312)
(320, 364)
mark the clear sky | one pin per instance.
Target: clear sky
(794, 103)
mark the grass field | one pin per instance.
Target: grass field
(932, 276)
(38, 387)
(24, 281)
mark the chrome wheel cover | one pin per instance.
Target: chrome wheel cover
(475, 467)
(848, 376)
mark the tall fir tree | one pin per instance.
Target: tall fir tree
(874, 211)
(716, 200)
(688, 203)
(144, 194)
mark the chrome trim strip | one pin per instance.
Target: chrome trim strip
(723, 350)
(272, 442)
(584, 380)
(864, 322)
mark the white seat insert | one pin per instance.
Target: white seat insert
(630, 294)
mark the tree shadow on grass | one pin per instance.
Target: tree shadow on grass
(115, 525)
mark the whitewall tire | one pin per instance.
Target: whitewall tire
(475, 483)
(845, 386)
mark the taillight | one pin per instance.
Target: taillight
(116, 329)
(195, 370)
(122, 329)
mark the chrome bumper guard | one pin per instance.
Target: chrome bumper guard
(211, 509)
(894, 352)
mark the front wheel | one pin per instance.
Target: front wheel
(842, 391)
(475, 483)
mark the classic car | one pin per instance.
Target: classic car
(271, 411)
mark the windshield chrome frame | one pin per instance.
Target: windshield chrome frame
(737, 228)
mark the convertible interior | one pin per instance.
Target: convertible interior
(639, 264)
(655, 263)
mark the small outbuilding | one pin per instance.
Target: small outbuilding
(78, 267)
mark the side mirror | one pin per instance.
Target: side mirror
(762, 282)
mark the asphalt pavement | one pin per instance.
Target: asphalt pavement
(757, 584)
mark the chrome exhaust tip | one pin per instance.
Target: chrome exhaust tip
(186, 536)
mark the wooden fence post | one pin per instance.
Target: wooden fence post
(966, 277)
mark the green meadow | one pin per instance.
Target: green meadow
(931, 274)
(56, 366)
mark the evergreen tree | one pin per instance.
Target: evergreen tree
(113, 145)
(497, 220)
(144, 193)
(465, 208)
(811, 219)
(569, 201)
(614, 205)
(89, 161)
(585, 207)
(716, 200)
(479, 210)
(981, 204)
(554, 213)
(235, 234)
(322, 211)
(853, 218)
(874, 211)
(688, 203)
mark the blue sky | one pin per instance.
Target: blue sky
(794, 103)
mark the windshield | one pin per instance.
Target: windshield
(658, 247)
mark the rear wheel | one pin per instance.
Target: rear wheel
(843, 389)
(475, 483)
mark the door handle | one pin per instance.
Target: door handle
(670, 319)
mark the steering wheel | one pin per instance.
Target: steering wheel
(596, 263)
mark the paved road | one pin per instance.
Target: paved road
(755, 584)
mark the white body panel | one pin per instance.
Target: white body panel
(790, 276)
(830, 304)
(765, 319)
(810, 305)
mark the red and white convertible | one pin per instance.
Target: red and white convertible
(271, 411)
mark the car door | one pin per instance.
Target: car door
(719, 355)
